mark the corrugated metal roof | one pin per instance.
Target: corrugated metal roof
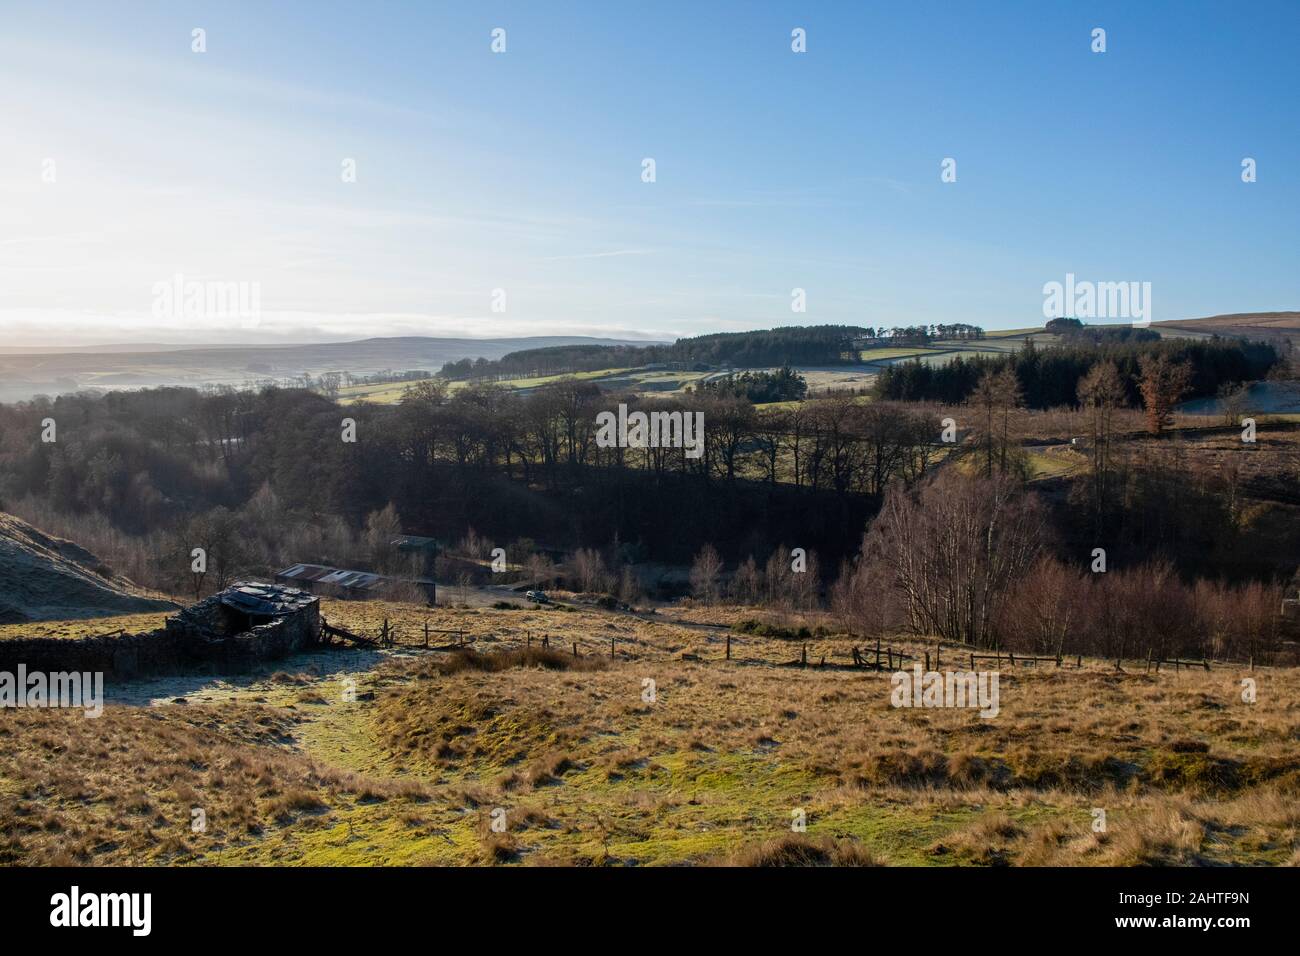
(305, 572)
(337, 577)
(357, 580)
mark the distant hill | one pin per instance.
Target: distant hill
(24, 374)
(1264, 326)
(44, 578)
(761, 348)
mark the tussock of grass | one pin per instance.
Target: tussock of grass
(462, 660)
(768, 629)
(795, 850)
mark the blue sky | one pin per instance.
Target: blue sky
(522, 171)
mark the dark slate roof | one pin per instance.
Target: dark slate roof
(270, 600)
(412, 542)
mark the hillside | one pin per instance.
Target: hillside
(24, 374)
(1262, 326)
(44, 578)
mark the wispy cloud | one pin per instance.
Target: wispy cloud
(599, 255)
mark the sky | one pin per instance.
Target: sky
(504, 193)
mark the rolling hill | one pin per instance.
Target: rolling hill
(24, 374)
(1261, 326)
(44, 578)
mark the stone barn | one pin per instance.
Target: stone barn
(230, 631)
(247, 623)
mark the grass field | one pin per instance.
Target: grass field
(664, 382)
(391, 393)
(584, 767)
(85, 627)
(876, 355)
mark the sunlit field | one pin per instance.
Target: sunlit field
(664, 753)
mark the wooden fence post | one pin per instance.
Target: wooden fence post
(972, 660)
(803, 656)
(611, 648)
(728, 645)
(937, 645)
(426, 633)
(575, 648)
(877, 653)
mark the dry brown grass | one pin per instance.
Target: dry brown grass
(800, 851)
(590, 768)
(130, 623)
(121, 788)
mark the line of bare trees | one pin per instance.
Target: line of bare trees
(834, 444)
(970, 560)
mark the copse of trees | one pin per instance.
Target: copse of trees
(551, 360)
(783, 385)
(787, 345)
(974, 561)
(129, 463)
(793, 345)
(1049, 376)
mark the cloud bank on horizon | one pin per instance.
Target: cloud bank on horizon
(511, 170)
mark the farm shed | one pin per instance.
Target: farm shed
(426, 552)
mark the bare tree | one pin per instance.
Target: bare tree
(1044, 606)
(1101, 391)
(382, 527)
(996, 396)
(589, 569)
(747, 582)
(953, 548)
(539, 569)
(778, 577)
(706, 574)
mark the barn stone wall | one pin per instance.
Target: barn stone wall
(196, 639)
